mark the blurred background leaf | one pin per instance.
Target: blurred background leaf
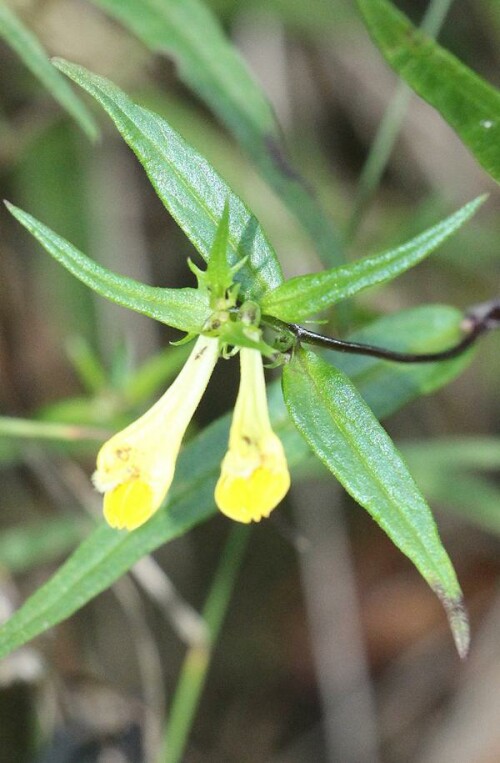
(216, 72)
(459, 474)
(469, 104)
(27, 47)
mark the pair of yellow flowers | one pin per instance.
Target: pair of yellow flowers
(135, 468)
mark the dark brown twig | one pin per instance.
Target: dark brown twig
(477, 320)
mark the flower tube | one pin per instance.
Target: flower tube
(135, 468)
(254, 473)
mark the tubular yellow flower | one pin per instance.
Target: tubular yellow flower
(254, 474)
(135, 468)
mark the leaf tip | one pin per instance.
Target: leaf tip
(479, 201)
(459, 622)
(68, 68)
(59, 63)
(86, 121)
(11, 208)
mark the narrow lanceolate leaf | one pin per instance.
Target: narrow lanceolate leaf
(28, 48)
(107, 554)
(184, 309)
(188, 31)
(187, 184)
(469, 104)
(345, 435)
(304, 296)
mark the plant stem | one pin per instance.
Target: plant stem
(197, 660)
(389, 127)
(477, 320)
(14, 427)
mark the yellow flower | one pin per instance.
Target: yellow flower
(254, 474)
(135, 468)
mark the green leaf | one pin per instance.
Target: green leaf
(345, 435)
(469, 104)
(106, 554)
(28, 48)
(184, 309)
(219, 274)
(188, 31)
(189, 187)
(304, 296)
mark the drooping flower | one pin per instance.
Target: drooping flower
(135, 468)
(254, 473)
